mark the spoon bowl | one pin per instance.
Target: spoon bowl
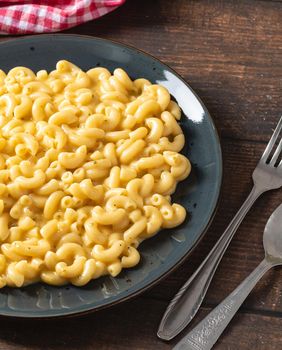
(272, 237)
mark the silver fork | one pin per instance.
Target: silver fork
(185, 304)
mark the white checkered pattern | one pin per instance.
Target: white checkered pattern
(31, 16)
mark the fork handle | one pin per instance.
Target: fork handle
(187, 301)
(207, 332)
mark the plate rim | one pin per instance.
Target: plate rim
(134, 294)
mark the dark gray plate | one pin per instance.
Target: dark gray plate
(199, 193)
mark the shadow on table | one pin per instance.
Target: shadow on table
(125, 16)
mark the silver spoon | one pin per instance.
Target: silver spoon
(207, 332)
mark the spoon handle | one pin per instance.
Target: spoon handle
(207, 332)
(188, 299)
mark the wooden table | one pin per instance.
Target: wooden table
(230, 52)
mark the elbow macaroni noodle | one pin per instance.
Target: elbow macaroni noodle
(88, 161)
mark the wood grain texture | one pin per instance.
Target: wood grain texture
(230, 52)
(132, 326)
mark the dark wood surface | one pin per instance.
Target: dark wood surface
(231, 54)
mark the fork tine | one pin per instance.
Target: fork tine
(276, 154)
(272, 141)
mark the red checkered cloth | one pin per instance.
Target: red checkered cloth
(25, 17)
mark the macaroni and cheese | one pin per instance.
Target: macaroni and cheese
(88, 163)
